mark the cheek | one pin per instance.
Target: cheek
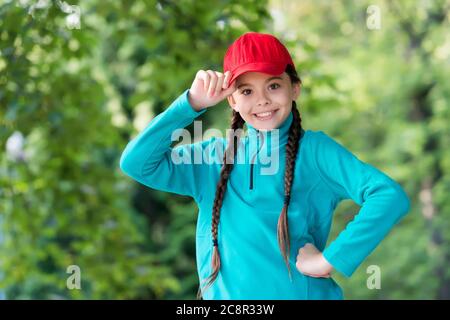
(245, 114)
(243, 106)
(283, 97)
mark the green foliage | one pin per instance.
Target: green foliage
(74, 95)
(77, 96)
(389, 105)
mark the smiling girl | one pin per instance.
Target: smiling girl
(261, 234)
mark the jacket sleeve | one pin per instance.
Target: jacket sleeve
(150, 159)
(383, 203)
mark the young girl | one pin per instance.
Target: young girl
(263, 225)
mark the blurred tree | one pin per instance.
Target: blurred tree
(390, 109)
(76, 82)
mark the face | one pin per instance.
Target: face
(264, 101)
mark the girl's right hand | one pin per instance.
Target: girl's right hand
(209, 88)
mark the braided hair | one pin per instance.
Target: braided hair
(291, 152)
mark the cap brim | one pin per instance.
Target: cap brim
(263, 67)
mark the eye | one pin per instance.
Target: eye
(276, 85)
(245, 90)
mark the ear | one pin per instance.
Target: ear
(232, 103)
(296, 88)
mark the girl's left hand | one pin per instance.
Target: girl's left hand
(311, 262)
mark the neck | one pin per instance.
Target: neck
(283, 130)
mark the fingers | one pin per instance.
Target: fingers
(212, 83)
(229, 88)
(306, 260)
(216, 84)
(219, 84)
(308, 248)
(316, 276)
(226, 80)
(205, 77)
(227, 92)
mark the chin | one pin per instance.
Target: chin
(265, 127)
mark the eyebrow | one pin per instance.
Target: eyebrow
(247, 84)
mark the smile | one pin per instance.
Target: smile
(267, 115)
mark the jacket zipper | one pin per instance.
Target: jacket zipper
(253, 160)
(251, 176)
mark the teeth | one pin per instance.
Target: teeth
(264, 114)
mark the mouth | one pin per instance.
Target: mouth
(266, 115)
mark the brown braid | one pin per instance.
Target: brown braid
(233, 141)
(291, 156)
(291, 152)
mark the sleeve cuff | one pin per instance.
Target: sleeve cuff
(337, 263)
(185, 108)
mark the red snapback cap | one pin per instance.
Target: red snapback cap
(257, 52)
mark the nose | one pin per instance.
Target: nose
(263, 100)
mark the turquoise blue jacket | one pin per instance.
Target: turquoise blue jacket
(252, 265)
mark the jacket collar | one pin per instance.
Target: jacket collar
(269, 135)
